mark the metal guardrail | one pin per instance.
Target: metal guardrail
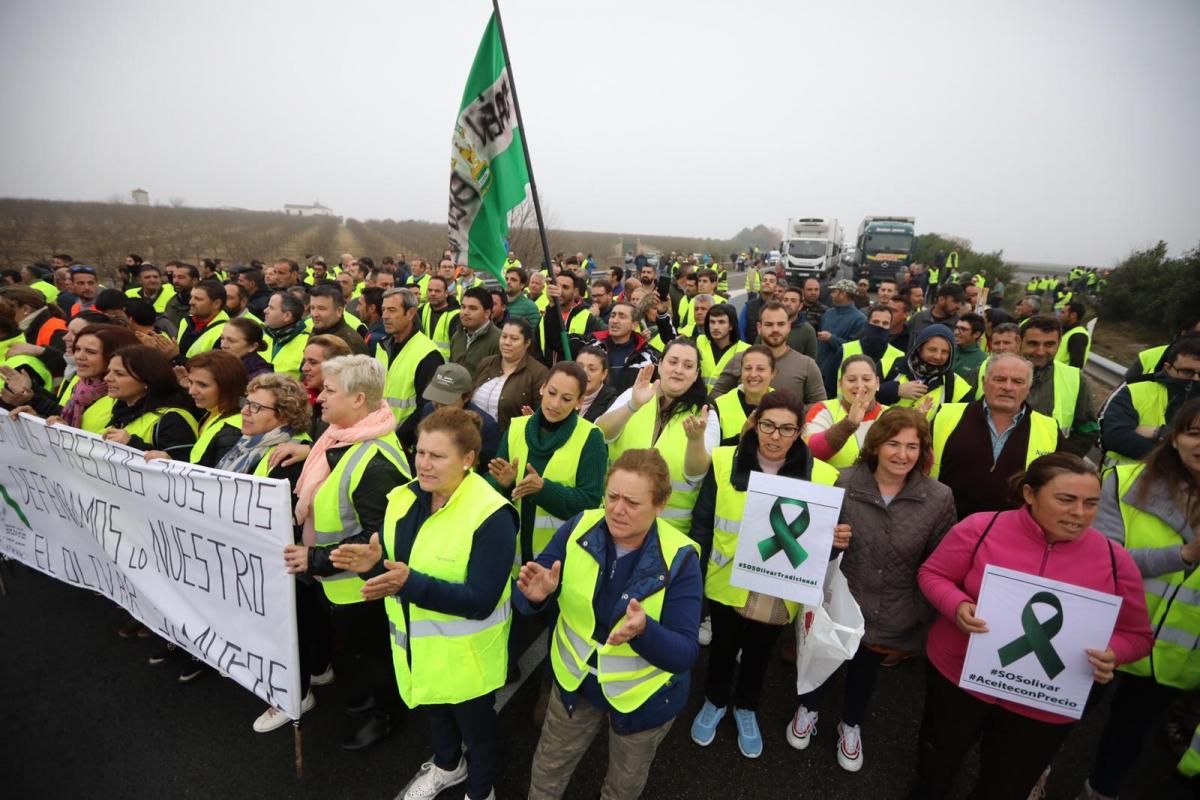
(1107, 372)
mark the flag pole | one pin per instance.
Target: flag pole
(537, 205)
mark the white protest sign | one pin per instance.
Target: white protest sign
(196, 554)
(786, 537)
(1038, 632)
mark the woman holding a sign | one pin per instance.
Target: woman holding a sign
(671, 416)
(1068, 608)
(836, 429)
(1151, 509)
(150, 412)
(898, 515)
(745, 621)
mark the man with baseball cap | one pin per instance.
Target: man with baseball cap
(841, 323)
(451, 386)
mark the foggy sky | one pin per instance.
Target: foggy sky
(1061, 132)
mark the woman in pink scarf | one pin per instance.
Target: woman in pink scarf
(341, 498)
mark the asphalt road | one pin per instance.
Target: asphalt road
(84, 716)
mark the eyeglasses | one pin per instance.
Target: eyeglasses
(766, 427)
(1186, 374)
(254, 407)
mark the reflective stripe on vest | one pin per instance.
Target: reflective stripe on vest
(627, 679)
(562, 468)
(334, 516)
(1043, 434)
(441, 332)
(442, 658)
(1149, 399)
(671, 443)
(400, 388)
(854, 348)
(1172, 600)
(711, 368)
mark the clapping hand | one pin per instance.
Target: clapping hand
(536, 582)
(388, 583)
(634, 624)
(531, 484)
(357, 557)
(505, 472)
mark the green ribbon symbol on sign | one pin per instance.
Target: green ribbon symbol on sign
(1037, 636)
(784, 535)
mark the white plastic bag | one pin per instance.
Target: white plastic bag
(828, 635)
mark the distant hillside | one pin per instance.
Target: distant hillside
(103, 233)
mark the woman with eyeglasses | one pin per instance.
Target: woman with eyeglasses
(746, 622)
(671, 416)
(835, 429)
(275, 411)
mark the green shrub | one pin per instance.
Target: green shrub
(1153, 290)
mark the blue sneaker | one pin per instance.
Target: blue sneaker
(704, 728)
(749, 737)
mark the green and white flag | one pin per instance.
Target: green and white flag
(488, 177)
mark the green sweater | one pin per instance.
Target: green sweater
(558, 499)
(967, 359)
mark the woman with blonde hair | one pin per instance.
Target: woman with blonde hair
(341, 498)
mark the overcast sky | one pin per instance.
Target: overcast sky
(1061, 132)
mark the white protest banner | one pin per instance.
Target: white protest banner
(1038, 632)
(786, 537)
(196, 554)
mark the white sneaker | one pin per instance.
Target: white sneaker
(802, 728)
(431, 780)
(273, 718)
(849, 754)
(704, 635)
(324, 679)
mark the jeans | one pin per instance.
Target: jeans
(473, 723)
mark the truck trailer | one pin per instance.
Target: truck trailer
(813, 249)
(884, 245)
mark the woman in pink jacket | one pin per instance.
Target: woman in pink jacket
(1050, 536)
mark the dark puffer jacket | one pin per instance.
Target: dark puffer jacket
(888, 543)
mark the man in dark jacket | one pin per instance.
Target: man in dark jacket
(1000, 425)
(327, 309)
(944, 311)
(1129, 424)
(628, 351)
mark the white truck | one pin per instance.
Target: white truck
(813, 249)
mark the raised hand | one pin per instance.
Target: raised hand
(694, 425)
(634, 624)
(357, 557)
(536, 582)
(859, 405)
(644, 387)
